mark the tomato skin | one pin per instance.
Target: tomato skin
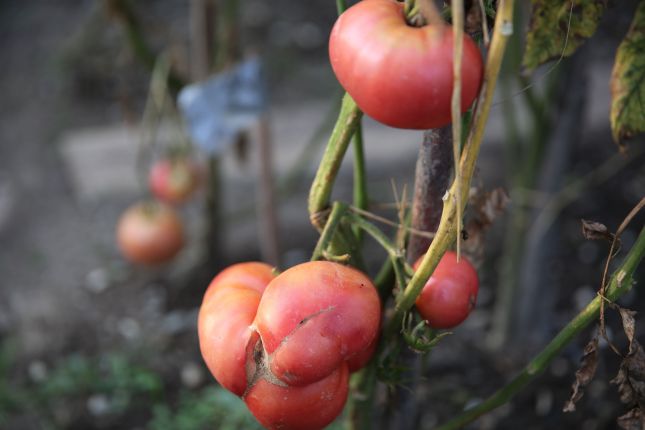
(224, 323)
(174, 180)
(314, 316)
(149, 233)
(255, 343)
(398, 74)
(310, 407)
(450, 294)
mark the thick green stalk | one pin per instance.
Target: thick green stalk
(621, 282)
(348, 119)
(446, 231)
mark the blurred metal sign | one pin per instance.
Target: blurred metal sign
(217, 109)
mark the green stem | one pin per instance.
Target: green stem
(337, 211)
(446, 231)
(621, 282)
(395, 255)
(341, 6)
(348, 119)
(122, 9)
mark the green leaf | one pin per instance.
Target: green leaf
(559, 27)
(627, 83)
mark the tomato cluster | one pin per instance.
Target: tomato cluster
(286, 344)
(151, 232)
(399, 74)
(450, 294)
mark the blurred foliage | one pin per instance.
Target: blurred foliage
(202, 410)
(628, 81)
(558, 28)
(125, 389)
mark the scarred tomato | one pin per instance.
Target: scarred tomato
(150, 233)
(286, 344)
(450, 294)
(315, 316)
(398, 74)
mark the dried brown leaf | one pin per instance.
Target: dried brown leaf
(629, 323)
(592, 230)
(492, 205)
(584, 374)
(632, 420)
(631, 376)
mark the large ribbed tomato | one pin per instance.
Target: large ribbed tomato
(287, 344)
(398, 74)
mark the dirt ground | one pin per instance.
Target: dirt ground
(88, 341)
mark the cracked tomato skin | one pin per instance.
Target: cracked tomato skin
(315, 316)
(400, 75)
(309, 407)
(224, 323)
(450, 294)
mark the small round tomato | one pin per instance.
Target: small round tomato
(150, 233)
(398, 74)
(174, 180)
(450, 294)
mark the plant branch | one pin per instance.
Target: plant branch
(446, 230)
(455, 107)
(122, 11)
(621, 282)
(348, 119)
(431, 180)
(337, 211)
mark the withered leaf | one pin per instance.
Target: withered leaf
(592, 230)
(558, 28)
(492, 205)
(629, 323)
(631, 376)
(584, 374)
(628, 81)
(632, 420)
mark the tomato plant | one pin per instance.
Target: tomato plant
(450, 294)
(398, 74)
(285, 343)
(150, 233)
(174, 180)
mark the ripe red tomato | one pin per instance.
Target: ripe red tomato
(398, 74)
(450, 293)
(225, 317)
(286, 344)
(315, 316)
(174, 180)
(149, 233)
(309, 407)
